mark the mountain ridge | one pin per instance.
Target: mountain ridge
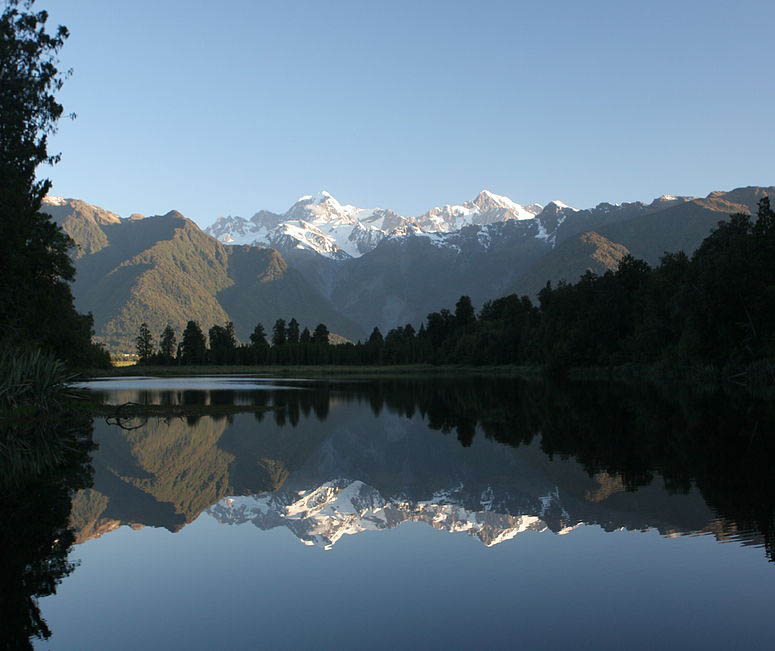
(162, 269)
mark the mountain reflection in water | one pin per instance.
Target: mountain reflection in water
(491, 458)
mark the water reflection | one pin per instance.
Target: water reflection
(336, 458)
(42, 461)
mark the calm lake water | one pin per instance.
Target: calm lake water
(426, 513)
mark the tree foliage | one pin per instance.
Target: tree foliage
(35, 264)
(144, 344)
(167, 345)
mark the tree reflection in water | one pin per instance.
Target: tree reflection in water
(42, 463)
(721, 444)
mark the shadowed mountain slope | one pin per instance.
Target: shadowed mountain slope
(164, 269)
(667, 225)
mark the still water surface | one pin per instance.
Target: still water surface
(429, 513)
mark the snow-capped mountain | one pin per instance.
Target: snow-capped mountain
(486, 208)
(322, 515)
(321, 224)
(318, 223)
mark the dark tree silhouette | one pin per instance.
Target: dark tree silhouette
(320, 336)
(223, 344)
(35, 265)
(193, 346)
(376, 339)
(292, 333)
(258, 338)
(167, 345)
(279, 333)
(144, 344)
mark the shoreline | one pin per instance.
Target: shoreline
(757, 378)
(399, 370)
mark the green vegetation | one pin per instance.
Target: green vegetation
(36, 303)
(165, 271)
(31, 379)
(702, 318)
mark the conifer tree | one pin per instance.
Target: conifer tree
(258, 338)
(376, 337)
(144, 344)
(292, 333)
(305, 337)
(278, 333)
(193, 345)
(465, 316)
(168, 344)
(320, 336)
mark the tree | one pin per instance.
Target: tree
(292, 334)
(258, 338)
(35, 265)
(144, 343)
(376, 339)
(167, 345)
(223, 343)
(193, 347)
(231, 336)
(464, 313)
(278, 333)
(305, 337)
(320, 336)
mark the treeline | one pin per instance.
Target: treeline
(716, 307)
(289, 345)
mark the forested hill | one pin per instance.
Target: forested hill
(714, 309)
(164, 269)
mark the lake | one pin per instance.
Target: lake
(425, 513)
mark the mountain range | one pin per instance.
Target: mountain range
(355, 268)
(347, 473)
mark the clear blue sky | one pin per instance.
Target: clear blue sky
(227, 108)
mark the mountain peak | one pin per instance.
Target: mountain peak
(561, 205)
(317, 198)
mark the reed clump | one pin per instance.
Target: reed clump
(32, 379)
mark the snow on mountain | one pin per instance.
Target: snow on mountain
(507, 232)
(320, 223)
(486, 208)
(54, 201)
(322, 515)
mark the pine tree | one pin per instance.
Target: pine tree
(376, 337)
(465, 317)
(320, 336)
(193, 345)
(231, 337)
(305, 337)
(167, 345)
(278, 333)
(258, 338)
(223, 343)
(144, 344)
(292, 335)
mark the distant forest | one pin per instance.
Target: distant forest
(716, 307)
